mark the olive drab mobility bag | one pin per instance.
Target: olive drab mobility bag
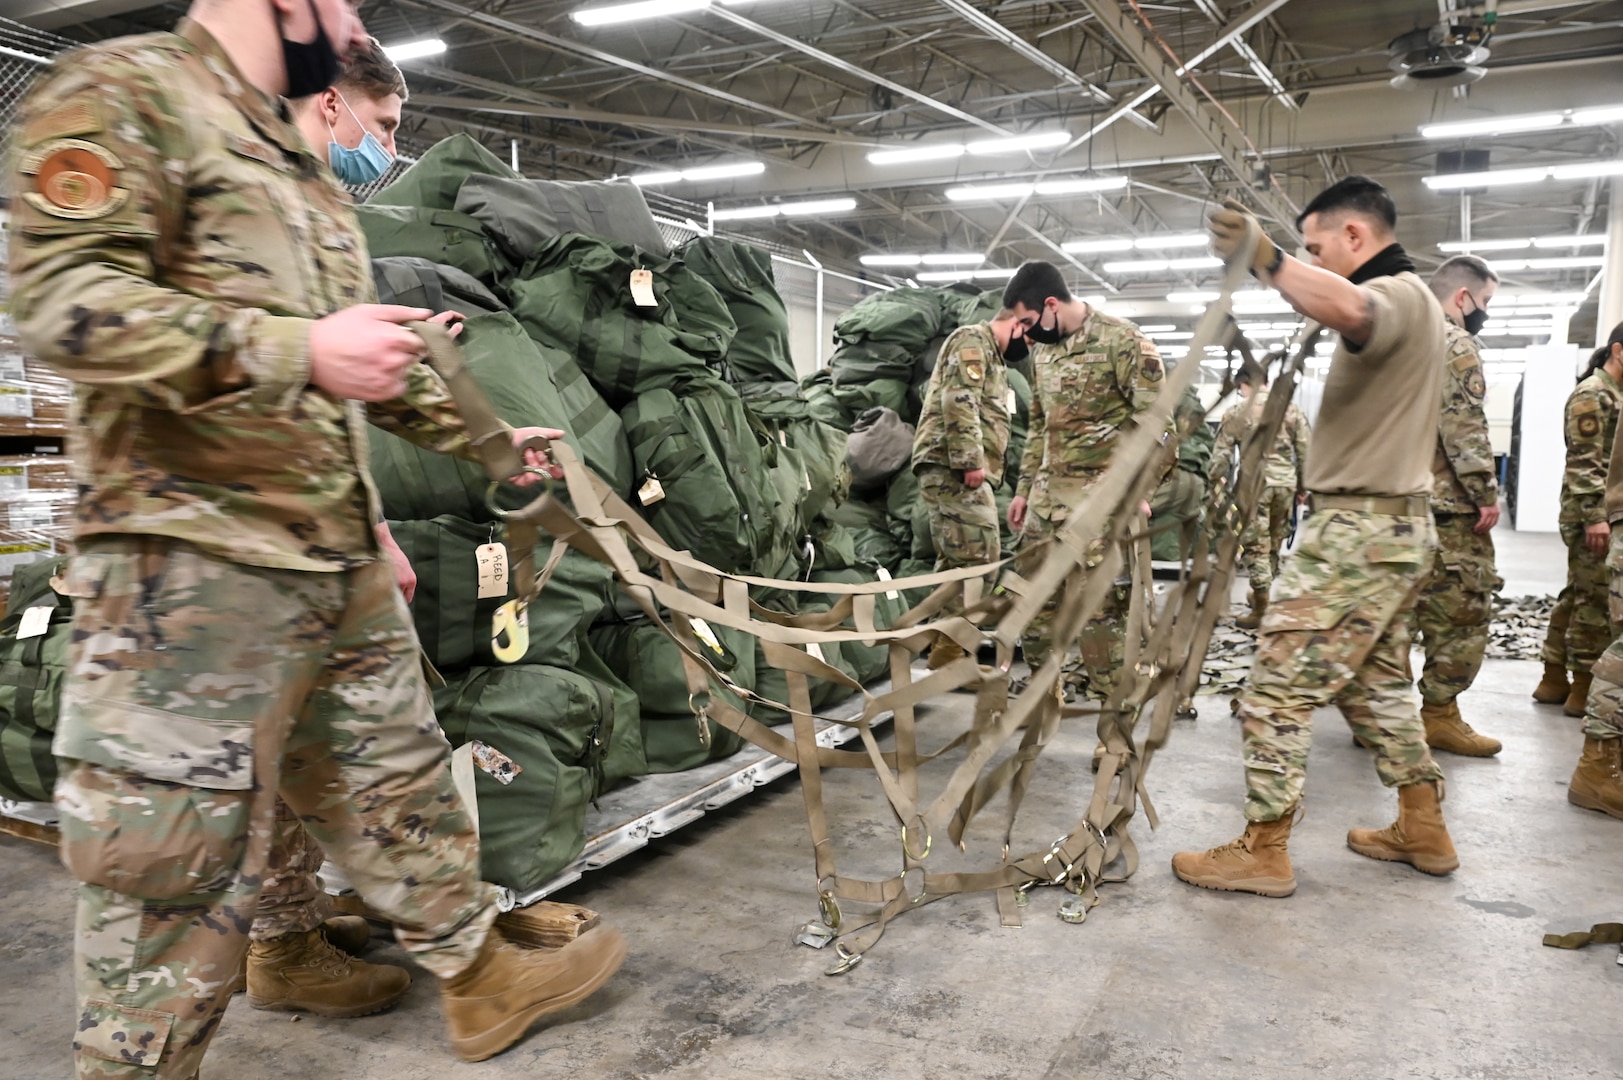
(883, 335)
(34, 639)
(443, 236)
(743, 275)
(436, 177)
(632, 320)
(522, 215)
(414, 282)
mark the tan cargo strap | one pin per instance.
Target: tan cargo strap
(1606, 933)
(1162, 661)
(1394, 505)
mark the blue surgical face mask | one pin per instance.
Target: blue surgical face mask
(365, 164)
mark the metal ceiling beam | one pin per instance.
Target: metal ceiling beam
(1249, 55)
(575, 48)
(1022, 48)
(849, 68)
(663, 125)
(1219, 132)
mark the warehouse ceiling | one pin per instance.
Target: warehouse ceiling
(1279, 98)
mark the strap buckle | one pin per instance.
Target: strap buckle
(495, 485)
(513, 620)
(699, 706)
(847, 961)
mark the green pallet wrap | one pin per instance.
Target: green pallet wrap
(576, 295)
(742, 274)
(651, 664)
(703, 473)
(543, 731)
(435, 178)
(31, 671)
(454, 623)
(523, 215)
(443, 236)
(529, 386)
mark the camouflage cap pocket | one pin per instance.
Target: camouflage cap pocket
(1396, 553)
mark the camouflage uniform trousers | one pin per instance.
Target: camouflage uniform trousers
(1586, 635)
(1456, 605)
(1337, 629)
(963, 520)
(1103, 639)
(1555, 636)
(1178, 499)
(197, 689)
(1265, 534)
(291, 900)
(1603, 712)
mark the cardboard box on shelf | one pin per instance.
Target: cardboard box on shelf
(33, 526)
(34, 400)
(34, 472)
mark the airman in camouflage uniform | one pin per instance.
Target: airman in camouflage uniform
(959, 445)
(181, 256)
(1590, 426)
(1183, 493)
(1597, 782)
(1264, 534)
(1456, 604)
(1091, 376)
(1338, 625)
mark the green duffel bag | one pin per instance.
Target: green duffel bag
(878, 547)
(788, 415)
(866, 662)
(651, 664)
(704, 473)
(882, 336)
(575, 295)
(964, 305)
(522, 215)
(454, 623)
(545, 729)
(623, 757)
(772, 684)
(742, 273)
(856, 399)
(910, 518)
(413, 282)
(528, 386)
(437, 176)
(31, 672)
(915, 568)
(823, 404)
(443, 236)
(833, 546)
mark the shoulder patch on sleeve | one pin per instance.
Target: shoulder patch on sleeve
(73, 179)
(63, 122)
(1588, 425)
(1585, 403)
(1475, 384)
(1149, 357)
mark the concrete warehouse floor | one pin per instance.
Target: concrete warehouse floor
(1370, 971)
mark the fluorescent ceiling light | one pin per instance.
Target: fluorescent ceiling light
(1159, 328)
(1569, 241)
(915, 153)
(889, 260)
(1199, 296)
(1585, 170)
(968, 192)
(772, 210)
(644, 9)
(1581, 170)
(953, 259)
(1503, 125)
(1148, 266)
(965, 275)
(1484, 245)
(1573, 262)
(1090, 247)
(1015, 143)
(1175, 335)
(1554, 299)
(414, 50)
(1082, 186)
(702, 172)
(1176, 240)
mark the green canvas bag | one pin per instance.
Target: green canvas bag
(31, 673)
(742, 274)
(442, 236)
(436, 177)
(413, 282)
(522, 215)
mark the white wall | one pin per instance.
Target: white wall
(1546, 385)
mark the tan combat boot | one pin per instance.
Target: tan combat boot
(348, 932)
(1597, 782)
(1578, 699)
(1418, 837)
(1257, 862)
(1553, 688)
(1253, 618)
(492, 1004)
(1447, 730)
(305, 973)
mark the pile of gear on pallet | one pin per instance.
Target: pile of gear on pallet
(669, 372)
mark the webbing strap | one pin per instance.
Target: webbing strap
(1605, 933)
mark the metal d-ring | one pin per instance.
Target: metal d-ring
(847, 961)
(495, 485)
(928, 840)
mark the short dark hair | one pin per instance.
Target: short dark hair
(370, 71)
(1357, 194)
(1035, 282)
(1604, 353)
(1461, 271)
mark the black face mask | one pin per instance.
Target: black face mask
(1473, 322)
(1017, 349)
(311, 66)
(1043, 335)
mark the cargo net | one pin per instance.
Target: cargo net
(971, 606)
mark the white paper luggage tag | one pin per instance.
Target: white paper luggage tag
(815, 650)
(642, 288)
(651, 491)
(884, 575)
(702, 631)
(492, 570)
(35, 621)
(1010, 402)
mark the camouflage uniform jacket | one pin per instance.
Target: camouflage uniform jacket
(1085, 390)
(173, 240)
(1195, 449)
(1463, 475)
(964, 423)
(1283, 466)
(1591, 423)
